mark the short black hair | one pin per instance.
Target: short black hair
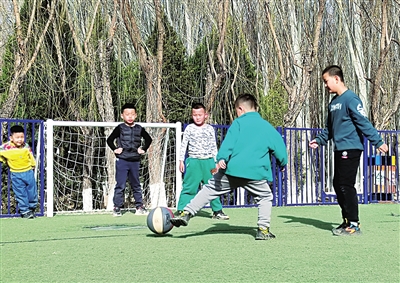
(16, 129)
(128, 106)
(334, 70)
(198, 105)
(248, 99)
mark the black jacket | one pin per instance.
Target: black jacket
(130, 139)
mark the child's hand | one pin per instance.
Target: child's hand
(181, 166)
(215, 170)
(383, 148)
(313, 144)
(222, 164)
(118, 150)
(140, 150)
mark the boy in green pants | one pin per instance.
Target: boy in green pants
(199, 139)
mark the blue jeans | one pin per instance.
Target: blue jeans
(25, 190)
(123, 170)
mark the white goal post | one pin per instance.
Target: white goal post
(80, 167)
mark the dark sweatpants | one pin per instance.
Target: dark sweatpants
(123, 170)
(345, 173)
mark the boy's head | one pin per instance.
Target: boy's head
(334, 70)
(128, 113)
(199, 113)
(333, 79)
(17, 135)
(245, 103)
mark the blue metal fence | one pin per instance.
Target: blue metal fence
(34, 136)
(308, 177)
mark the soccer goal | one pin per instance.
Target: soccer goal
(80, 174)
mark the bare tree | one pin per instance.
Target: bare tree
(383, 102)
(295, 68)
(24, 58)
(96, 54)
(215, 74)
(151, 65)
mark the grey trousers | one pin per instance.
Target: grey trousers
(221, 184)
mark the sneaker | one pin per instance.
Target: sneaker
(351, 230)
(339, 228)
(178, 212)
(27, 215)
(264, 234)
(33, 212)
(182, 219)
(117, 212)
(220, 215)
(140, 210)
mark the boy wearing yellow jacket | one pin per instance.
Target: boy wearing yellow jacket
(18, 156)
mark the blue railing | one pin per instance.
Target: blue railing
(308, 177)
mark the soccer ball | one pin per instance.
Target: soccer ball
(158, 220)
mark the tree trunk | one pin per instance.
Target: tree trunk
(23, 63)
(381, 102)
(152, 68)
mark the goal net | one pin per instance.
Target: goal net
(80, 167)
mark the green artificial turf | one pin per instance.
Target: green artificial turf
(102, 248)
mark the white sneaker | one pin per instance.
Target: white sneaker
(141, 211)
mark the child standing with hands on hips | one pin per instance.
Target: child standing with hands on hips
(128, 150)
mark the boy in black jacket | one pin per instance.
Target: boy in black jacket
(128, 150)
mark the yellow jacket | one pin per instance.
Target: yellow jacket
(19, 159)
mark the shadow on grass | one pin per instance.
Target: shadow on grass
(308, 221)
(62, 239)
(222, 228)
(203, 213)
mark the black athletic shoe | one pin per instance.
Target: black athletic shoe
(117, 212)
(264, 234)
(181, 220)
(33, 212)
(350, 230)
(28, 215)
(340, 228)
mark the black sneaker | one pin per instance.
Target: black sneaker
(339, 228)
(220, 215)
(33, 212)
(264, 234)
(117, 212)
(27, 215)
(351, 230)
(182, 219)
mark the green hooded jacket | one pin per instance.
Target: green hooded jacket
(247, 147)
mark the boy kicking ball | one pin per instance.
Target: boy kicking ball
(243, 161)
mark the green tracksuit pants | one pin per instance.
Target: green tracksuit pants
(197, 171)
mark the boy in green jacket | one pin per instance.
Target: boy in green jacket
(244, 161)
